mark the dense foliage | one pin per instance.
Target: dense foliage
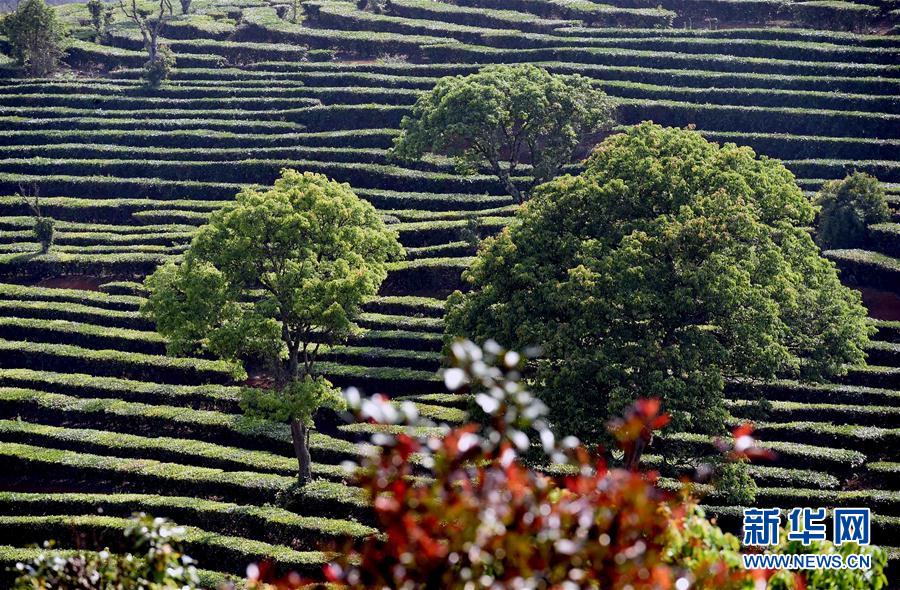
(669, 265)
(44, 232)
(35, 36)
(156, 564)
(489, 521)
(504, 114)
(849, 206)
(276, 275)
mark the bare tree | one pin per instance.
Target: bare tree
(148, 23)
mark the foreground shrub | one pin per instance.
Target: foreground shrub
(35, 36)
(849, 207)
(157, 564)
(666, 266)
(488, 521)
(711, 559)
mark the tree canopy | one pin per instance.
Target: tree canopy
(35, 36)
(848, 208)
(502, 114)
(276, 275)
(669, 265)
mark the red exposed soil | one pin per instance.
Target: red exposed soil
(83, 283)
(882, 305)
(259, 380)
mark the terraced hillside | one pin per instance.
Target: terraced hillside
(97, 422)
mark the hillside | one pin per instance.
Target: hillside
(95, 417)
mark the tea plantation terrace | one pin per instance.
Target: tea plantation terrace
(96, 422)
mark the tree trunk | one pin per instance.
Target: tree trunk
(514, 191)
(634, 452)
(299, 430)
(300, 435)
(293, 363)
(510, 186)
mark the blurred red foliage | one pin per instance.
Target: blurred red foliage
(465, 511)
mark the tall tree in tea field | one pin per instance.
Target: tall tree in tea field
(277, 275)
(667, 267)
(503, 114)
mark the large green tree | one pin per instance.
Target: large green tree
(503, 114)
(668, 266)
(35, 36)
(276, 275)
